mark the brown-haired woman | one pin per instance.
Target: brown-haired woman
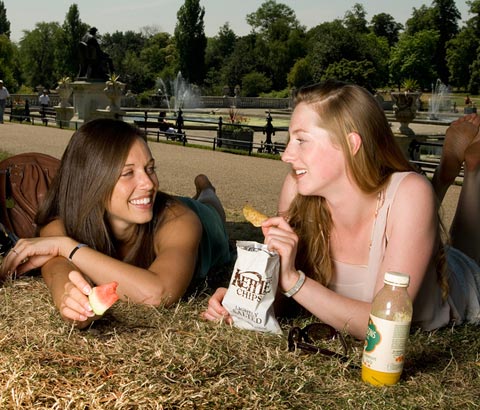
(353, 208)
(105, 195)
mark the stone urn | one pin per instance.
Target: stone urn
(114, 91)
(405, 108)
(65, 91)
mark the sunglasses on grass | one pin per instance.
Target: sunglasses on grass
(308, 338)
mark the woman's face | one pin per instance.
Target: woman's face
(316, 163)
(133, 196)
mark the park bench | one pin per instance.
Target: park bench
(426, 166)
(148, 126)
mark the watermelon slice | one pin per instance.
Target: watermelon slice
(102, 297)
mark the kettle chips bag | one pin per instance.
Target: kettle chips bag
(253, 286)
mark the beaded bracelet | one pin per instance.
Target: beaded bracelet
(297, 286)
(80, 245)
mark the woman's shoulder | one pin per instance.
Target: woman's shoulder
(409, 183)
(411, 190)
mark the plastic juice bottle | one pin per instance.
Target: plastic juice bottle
(387, 333)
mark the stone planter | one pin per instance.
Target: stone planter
(65, 92)
(114, 94)
(405, 109)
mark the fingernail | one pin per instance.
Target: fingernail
(87, 289)
(88, 308)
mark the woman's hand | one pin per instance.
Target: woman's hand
(215, 310)
(74, 304)
(280, 237)
(30, 253)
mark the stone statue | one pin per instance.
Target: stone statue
(94, 63)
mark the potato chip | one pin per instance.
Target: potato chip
(253, 216)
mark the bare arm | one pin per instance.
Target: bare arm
(167, 278)
(163, 282)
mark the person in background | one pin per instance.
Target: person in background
(353, 208)
(4, 94)
(44, 101)
(104, 220)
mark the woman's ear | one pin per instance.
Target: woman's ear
(355, 142)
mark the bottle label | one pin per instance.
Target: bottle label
(385, 343)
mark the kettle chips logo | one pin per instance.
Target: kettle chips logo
(250, 285)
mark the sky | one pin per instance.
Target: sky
(123, 15)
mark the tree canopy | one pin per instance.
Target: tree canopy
(277, 54)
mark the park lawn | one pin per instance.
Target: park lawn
(139, 357)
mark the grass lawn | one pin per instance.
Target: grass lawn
(139, 357)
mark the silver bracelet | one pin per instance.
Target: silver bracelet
(80, 245)
(297, 286)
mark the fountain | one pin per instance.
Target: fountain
(182, 94)
(439, 101)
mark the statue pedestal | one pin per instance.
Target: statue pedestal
(88, 97)
(64, 115)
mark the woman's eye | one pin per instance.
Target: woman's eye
(127, 173)
(151, 170)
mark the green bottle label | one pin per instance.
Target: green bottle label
(373, 337)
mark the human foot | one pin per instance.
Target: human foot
(201, 183)
(458, 138)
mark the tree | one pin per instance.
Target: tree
(356, 72)
(281, 40)
(300, 74)
(422, 19)
(271, 19)
(461, 52)
(4, 23)
(220, 47)
(243, 60)
(73, 31)
(355, 21)
(157, 53)
(255, 83)
(119, 44)
(330, 43)
(8, 62)
(191, 41)
(443, 17)
(412, 58)
(38, 52)
(384, 25)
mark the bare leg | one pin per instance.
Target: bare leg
(458, 137)
(207, 195)
(465, 229)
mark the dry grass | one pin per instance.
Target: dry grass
(146, 358)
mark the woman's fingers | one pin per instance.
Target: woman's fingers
(75, 304)
(80, 282)
(215, 310)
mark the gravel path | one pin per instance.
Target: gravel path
(238, 179)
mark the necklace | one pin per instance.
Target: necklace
(377, 207)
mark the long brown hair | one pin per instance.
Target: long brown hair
(90, 168)
(342, 109)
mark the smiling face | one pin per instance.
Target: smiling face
(317, 164)
(132, 198)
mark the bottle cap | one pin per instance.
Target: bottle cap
(396, 279)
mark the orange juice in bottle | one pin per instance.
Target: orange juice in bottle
(387, 332)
